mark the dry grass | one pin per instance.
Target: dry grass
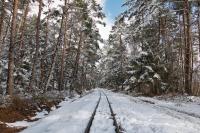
(5, 129)
(23, 110)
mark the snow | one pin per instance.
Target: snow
(149, 68)
(24, 123)
(133, 114)
(20, 124)
(133, 79)
(157, 76)
(103, 122)
(131, 72)
(194, 99)
(143, 53)
(136, 116)
(190, 108)
(40, 115)
(71, 117)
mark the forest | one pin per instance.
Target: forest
(154, 48)
(52, 49)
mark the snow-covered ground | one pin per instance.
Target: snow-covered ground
(103, 122)
(24, 123)
(133, 114)
(72, 117)
(190, 107)
(136, 116)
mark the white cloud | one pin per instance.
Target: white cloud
(105, 31)
(102, 2)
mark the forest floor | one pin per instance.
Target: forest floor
(103, 111)
(18, 113)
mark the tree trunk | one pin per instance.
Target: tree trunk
(10, 80)
(20, 53)
(181, 57)
(83, 79)
(187, 50)
(42, 61)
(61, 78)
(2, 22)
(22, 29)
(121, 60)
(55, 52)
(63, 58)
(75, 70)
(35, 58)
(199, 29)
(5, 35)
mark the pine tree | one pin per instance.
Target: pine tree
(10, 80)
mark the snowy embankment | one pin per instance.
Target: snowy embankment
(133, 114)
(18, 124)
(71, 117)
(136, 116)
(187, 105)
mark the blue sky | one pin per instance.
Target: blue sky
(113, 8)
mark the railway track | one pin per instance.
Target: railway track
(112, 115)
(172, 109)
(117, 127)
(87, 130)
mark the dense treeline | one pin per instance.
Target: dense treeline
(154, 48)
(48, 45)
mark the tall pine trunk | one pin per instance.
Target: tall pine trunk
(5, 35)
(181, 56)
(43, 54)
(187, 50)
(63, 59)
(2, 17)
(10, 80)
(199, 29)
(76, 66)
(50, 74)
(61, 78)
(23, 27)
(2, 22)
(35, 58)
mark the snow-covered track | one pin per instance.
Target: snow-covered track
(83, 95)
(87, 130)
(71, 117)
(136, 116)
(103, 111)
(172, 109)
(117, 127)
(182, 112)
